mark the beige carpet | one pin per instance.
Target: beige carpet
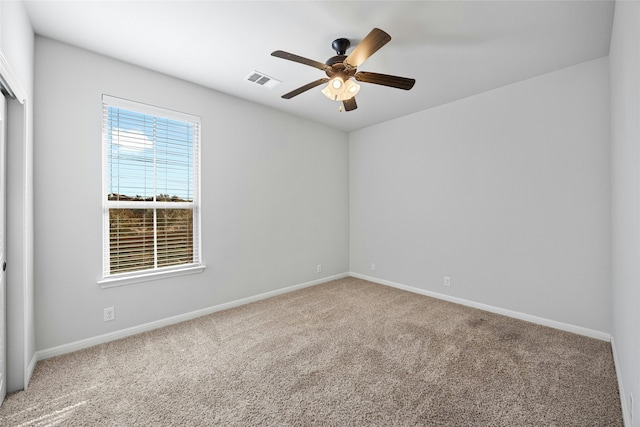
(345, 353)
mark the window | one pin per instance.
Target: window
(151, 190)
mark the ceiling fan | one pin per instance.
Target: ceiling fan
(341, 68)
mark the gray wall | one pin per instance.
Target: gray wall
(274, 197)
(506, 192)
(625, 127)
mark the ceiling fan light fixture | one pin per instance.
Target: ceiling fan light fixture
(326, 92)
(352, 88)
(339, 90)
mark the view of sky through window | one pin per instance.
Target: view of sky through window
(149, 156)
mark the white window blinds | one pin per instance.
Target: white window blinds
(151, 188)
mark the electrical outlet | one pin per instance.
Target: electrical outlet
(319, 268)
(109, 314)
(447, 281)
(373, 266)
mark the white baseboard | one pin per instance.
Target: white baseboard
(112, 336)
(626, 411)
(515, 314)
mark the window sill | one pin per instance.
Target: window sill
(111, 282)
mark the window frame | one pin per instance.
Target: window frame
(155, 273)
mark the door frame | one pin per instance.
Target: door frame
(16, 93)
(3, 249)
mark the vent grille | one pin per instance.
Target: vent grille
(262, 79)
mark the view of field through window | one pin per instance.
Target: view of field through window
(132, 237)
(150, 191)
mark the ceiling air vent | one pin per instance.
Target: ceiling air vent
(262, 79)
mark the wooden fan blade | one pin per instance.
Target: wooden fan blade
(299, 59)
(305, 88)
(367, 47)
(385, 80)
(350, 104)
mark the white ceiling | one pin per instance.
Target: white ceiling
(454, 49)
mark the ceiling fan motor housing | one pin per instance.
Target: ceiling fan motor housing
(334, 60)
(336, 63)
(337, 68)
